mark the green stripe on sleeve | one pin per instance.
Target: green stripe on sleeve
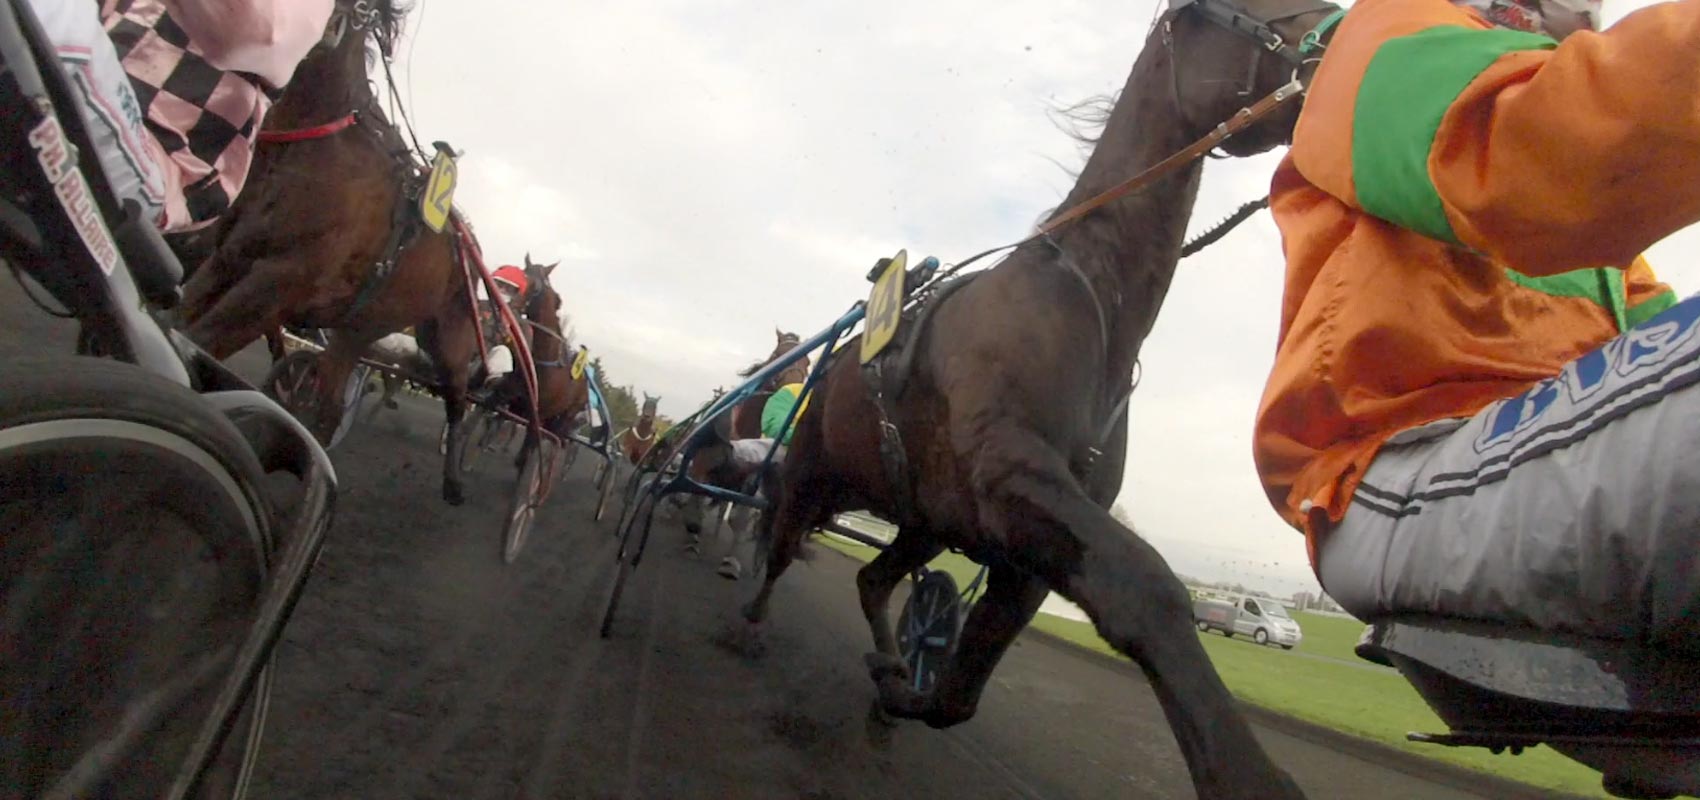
(1406, 90)
(1651, 307)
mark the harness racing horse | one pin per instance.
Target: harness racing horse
(1013, 435)
(637, 439)
(561, 396)
(326, 234)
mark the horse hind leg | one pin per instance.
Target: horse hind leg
(802, 506)
(252, 306)
(1051, 529)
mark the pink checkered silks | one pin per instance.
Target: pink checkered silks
(203, 117)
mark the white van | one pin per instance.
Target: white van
(1265, 621)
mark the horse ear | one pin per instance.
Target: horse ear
(778, 334)
(550, 270)
(528, 264)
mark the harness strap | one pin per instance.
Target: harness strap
(306, 134)
(892, 457)
(404, 224)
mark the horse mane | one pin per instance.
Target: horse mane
(753, 368)
(1084, 122)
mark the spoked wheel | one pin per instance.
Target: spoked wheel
(352, 394)
(133, 558)
(569, 457)
(635, 488)
(294, 383)
(528, 495)
(471, 424)
(604, 488)
(631, 550)
(928, 626)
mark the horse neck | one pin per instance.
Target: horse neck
(326, 86)
(545, 347)
(645, 425)
(1131, 247)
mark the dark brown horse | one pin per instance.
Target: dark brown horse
(1011, 419)
(636, 440)
(324, 235)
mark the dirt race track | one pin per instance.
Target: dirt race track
(419, 666)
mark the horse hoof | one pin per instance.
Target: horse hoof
(453, 495)
(885, 665)
(754, 614)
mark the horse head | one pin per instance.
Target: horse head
(783, 343)
(1225, 55)
(537, 279)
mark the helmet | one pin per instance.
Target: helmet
(511, 276)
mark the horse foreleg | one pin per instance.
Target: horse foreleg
(1050, 528)
(875, 582)
(392, 385)
(532, 438)
(451, 343)
(206, 285)
(801, 508)
(334, 368)
(248, 310)
(274, 343)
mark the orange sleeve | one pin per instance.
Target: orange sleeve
(1579, 156)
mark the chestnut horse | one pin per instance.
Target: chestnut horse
(560, 396)
(325, 234)
(1015, 433)
(636, 440)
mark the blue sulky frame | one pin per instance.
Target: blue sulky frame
(604, 479)
(647, 496)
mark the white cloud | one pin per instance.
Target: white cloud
(707, 171)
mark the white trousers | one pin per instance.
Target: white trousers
(1574, 506)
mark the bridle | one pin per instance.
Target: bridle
(361, 16)
(1228, 15)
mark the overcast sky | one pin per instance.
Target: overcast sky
(707, 170)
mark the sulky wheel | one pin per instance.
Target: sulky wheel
(604, 488)
(928, 626)
(293, 382)
(472, 424)
(527, 496)
(632, 543)
(569, 457)
(134, 554)
(352, 393)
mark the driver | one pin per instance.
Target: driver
(1483, 403)
(173, 91)
(511, 284)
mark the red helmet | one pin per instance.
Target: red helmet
(512, 276)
